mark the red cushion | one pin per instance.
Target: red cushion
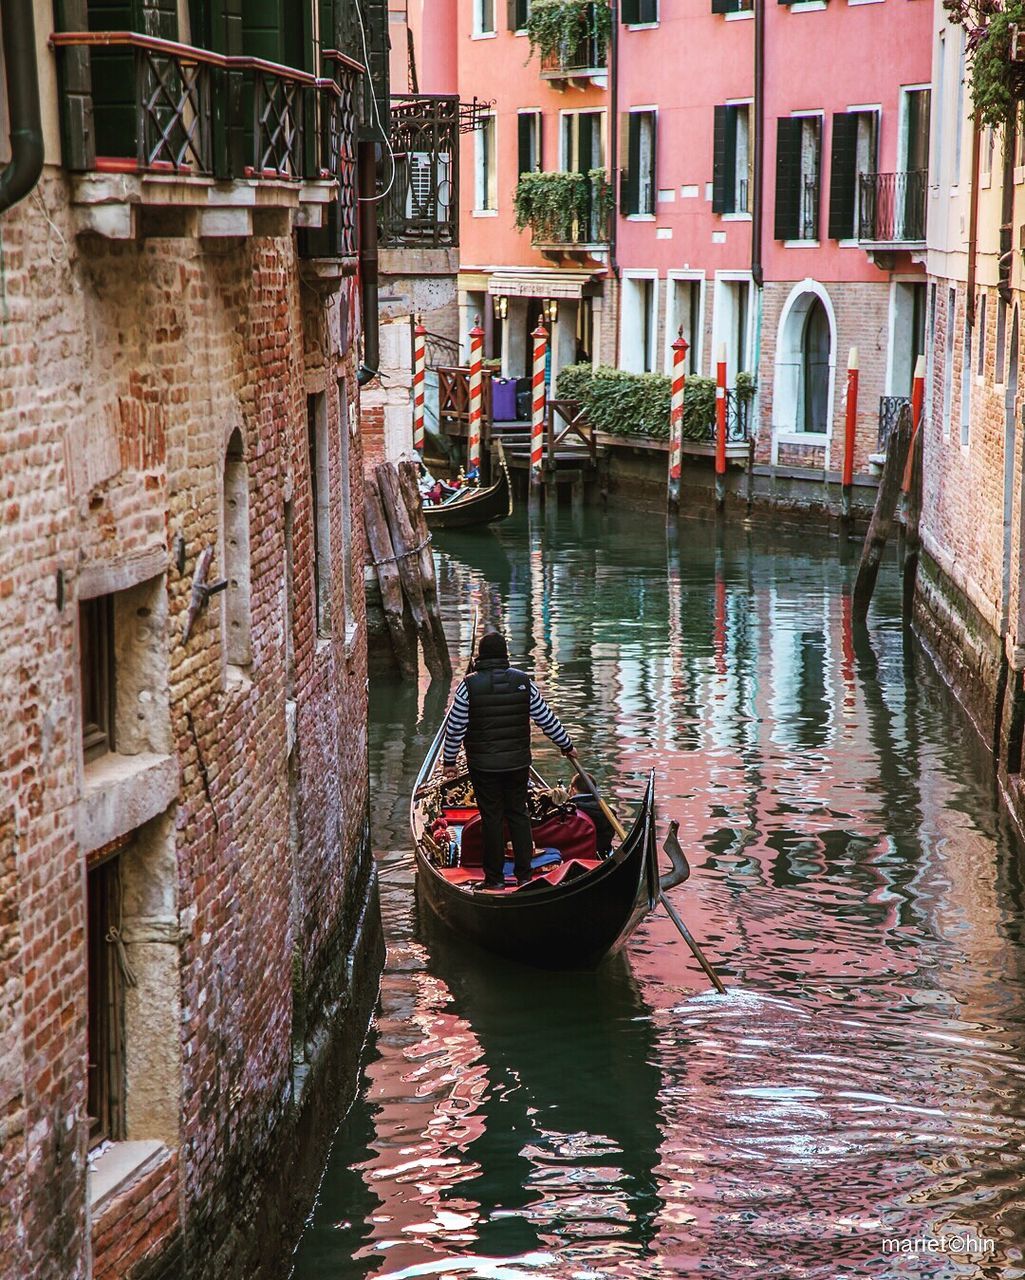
(573, 837)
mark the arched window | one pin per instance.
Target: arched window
(815, 370)
(236, 611)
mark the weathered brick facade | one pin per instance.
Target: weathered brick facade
(237, 791)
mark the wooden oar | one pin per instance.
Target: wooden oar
(620, 831)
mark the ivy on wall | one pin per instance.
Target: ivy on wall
(993, 30)
(561, 207)
(555, 28)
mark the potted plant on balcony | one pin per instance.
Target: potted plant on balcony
(995, 47)
(557, 28)
(553, 205)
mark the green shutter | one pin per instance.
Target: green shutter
(724, 160)
(78, 135)
(631, 188)
(654, 162)
(524, 124)
(630, 11)
(788, 178)
(726, 6)
(647, 11)
(516, 14)
(843, 165)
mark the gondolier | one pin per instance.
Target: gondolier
(491, 714)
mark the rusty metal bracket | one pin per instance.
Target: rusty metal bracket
(201, 590)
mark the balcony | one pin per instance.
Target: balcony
(567, 213)
(572, 38)
(333, 245)
(421, 208)
(186, 141)
(891, 213)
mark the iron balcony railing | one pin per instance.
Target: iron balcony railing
(738, 420)
(196, 112)
(891, 207)
(809, 225)
(421, 207)
(890, 409)
(588, 53)
(340, 117)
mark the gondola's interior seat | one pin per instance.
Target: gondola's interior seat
(573, 836)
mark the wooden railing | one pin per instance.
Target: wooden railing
(574, 416)
(454, 402)
(200, 112)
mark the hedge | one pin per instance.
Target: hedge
(637, 404)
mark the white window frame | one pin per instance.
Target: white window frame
(743, 215)
(484, 210)
(537, 113)
(783, 433)
(480, 32)
(576, 112)
(653, 112)
(718, 336)
(697, 340)
(819, 115)
(640, 276)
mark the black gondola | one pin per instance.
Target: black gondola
(476, 506)
(570, 916)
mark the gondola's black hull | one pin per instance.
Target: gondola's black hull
(573, 925)
(487, 506)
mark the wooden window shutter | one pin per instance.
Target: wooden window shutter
(654, 163)
(843, 165)
(788, 178)
(724, 160)
(726, 6)
(524, 129)
(631, 184)
(648, 11)
(630, 11)
(516, 14)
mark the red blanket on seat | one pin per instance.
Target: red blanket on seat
(574, 837)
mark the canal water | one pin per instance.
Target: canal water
(855, 1106)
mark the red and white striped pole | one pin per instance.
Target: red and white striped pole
(419, 374)
(680, 348)
(476, 365)
(917, 405)
(537, 402)
(850, 427)
(720, 430)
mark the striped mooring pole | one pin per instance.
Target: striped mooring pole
(419, 373)
(476, 357)
(537, 402)
(917, 405)
(720, 430)
(850, 427)
(680, 348)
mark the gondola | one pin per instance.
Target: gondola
(476, 506)
(577, 909)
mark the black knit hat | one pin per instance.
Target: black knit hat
(493, 645)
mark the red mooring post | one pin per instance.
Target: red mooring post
(680, 349)
(850, 429)
(419, 373)
(537, 406)
(476, 376)
(720, 430)
(917, 405)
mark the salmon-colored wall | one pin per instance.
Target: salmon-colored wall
(501, 67)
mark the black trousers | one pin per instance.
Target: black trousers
(502, 798)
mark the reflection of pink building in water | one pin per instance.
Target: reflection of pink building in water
(786, 244)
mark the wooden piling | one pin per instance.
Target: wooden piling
(720, 430)
(407, 558)
(882, 515)
(400, 628)
(912, 528)
(407, 472)
(850, 430)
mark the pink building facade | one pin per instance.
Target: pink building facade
(666, 107)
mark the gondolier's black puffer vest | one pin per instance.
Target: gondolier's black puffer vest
(498, 737)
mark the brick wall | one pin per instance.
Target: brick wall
(126, 368)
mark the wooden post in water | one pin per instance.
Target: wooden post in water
(414, 506)
(850, 429)
(917, 404)
(537, 407)
(882, 516)
(475, 392)
(419, 374)
(720, 430)
(382, 553)
(405, 544)
(680, 348)
(912, 533)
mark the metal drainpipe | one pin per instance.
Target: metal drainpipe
(757, 204)
(26, 164)
(614, 158)
(368, 262)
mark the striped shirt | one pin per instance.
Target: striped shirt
(459, 721)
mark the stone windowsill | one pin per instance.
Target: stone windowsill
(120, 793)
(116, 1166)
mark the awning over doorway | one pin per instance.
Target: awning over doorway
(544, 284)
